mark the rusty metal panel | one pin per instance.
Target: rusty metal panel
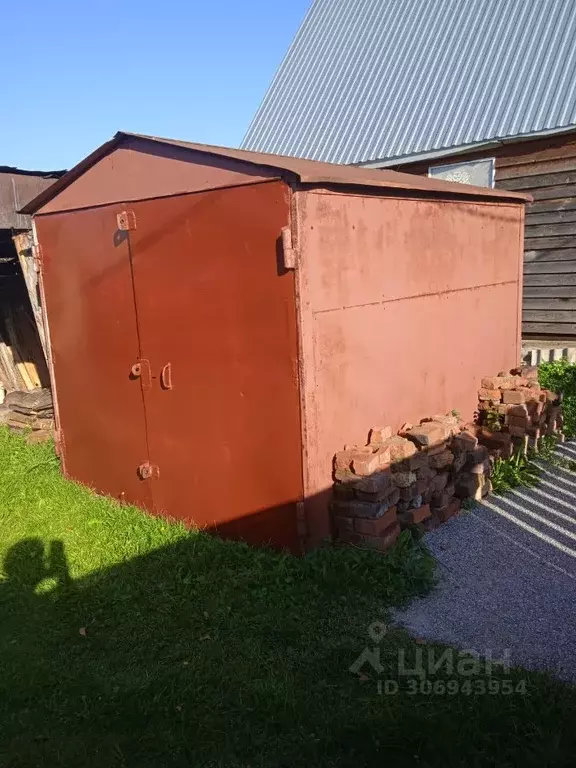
(240, 166)
(17, 188)
(139, 171)
(89, 300)
(216, 316)
(405, 305)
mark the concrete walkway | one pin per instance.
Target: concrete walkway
(507, 572)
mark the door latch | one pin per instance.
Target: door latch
(141, 370)
(147, 470)
(126, 221)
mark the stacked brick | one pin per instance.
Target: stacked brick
(417, 477)
(515, 412)
(420, 476)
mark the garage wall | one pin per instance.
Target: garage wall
(404, 306)
(546, 169)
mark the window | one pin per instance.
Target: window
(477, 172)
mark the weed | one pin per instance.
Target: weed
(560, 376)
(492, 420)
(509, 473)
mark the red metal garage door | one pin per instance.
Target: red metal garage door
(92, 321)
(217, 323)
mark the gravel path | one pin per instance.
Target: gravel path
(507, 572)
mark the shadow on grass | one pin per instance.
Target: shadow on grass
(209, 653)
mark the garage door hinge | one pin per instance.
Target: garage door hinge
(288, 250)
(126, 221)
(147, 470)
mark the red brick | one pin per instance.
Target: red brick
(357, 508)
(441, 499)
(518, 421)
(343, 491)
(365, 463)
(384, 458)
(429, 433)
(426, 473)
(442, 460)
(344, 524)
(342, 461)
(477, 456)
(403, 479)
(535, 409)
(529, 372)
(489, 394)
(518, 411)
(434, 450)
(375, 527)
(345, 476)
(517, 431)
(418, 461)
(465, 441)
(380, 435)
(383, 542)
(409, 493)
(469, 486)
(448, 511)
(422, 486)
(400, 448)
(512, 397)
(416, 516)
(439, 482)
(393, 497)
(500, 382)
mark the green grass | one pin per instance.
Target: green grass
(127, 641)
(560, 376)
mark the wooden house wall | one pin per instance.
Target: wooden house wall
(545, 168)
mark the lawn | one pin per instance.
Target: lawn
(128, 641)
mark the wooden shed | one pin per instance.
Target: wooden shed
(221, 322)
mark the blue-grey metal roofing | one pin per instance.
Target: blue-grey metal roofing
(368, 80)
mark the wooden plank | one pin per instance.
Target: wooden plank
(537, 292)
(554, 329)
(552, 193)
(563, 254)
(549, 267)
(555, 280)
(549, 316)
(544, 180)
(549, 217)
(550, 304)
(549, 243)
(550, 230)
(25, 250)
(536, 151)
(535, 168)
(562, 204)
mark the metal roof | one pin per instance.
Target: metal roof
(305, 171)
(369, 80)
(18, 187)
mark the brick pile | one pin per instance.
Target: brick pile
(420, 476)
(515, 412)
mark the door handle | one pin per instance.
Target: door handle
(166, 376)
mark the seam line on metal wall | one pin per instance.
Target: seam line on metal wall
(415, 296)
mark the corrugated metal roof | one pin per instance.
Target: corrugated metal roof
(368, 80)
(306, 171)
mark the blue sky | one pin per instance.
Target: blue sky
(76, 72)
